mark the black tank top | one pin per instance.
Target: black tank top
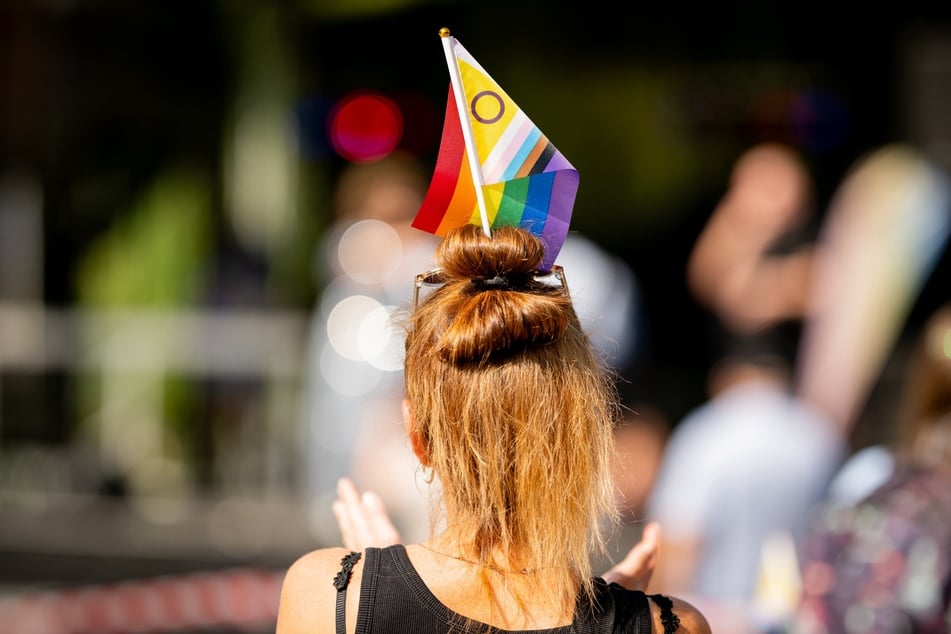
(395, 600)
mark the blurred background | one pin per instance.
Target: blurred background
(170, 202)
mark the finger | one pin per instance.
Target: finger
(381, 525)
(635, 570)
(347, 491)
(343, 522)
(651, 537)
(351, 504)
(643, 556)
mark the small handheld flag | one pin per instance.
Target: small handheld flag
(495, 167)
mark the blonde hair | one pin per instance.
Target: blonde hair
(513, 410)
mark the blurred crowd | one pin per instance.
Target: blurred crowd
(807, 491)
(774, 517)
(206, 254)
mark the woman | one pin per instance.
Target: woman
(511, 412)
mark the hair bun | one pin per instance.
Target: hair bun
(496, 306)
(467, 252)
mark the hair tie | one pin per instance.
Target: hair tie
(499, 280)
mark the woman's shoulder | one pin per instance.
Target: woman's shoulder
(670, 614)
(308, 592)
(318, 567)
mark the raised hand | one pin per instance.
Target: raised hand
(635, 570)
(362, 519)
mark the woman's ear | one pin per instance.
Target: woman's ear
(415, 440)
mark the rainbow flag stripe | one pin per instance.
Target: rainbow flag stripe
(527, 182)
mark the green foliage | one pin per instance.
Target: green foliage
(154, 255)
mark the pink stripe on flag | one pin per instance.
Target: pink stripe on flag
(499, 160)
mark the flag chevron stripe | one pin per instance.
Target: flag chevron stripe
(501, 156)
(527, 182)
(544, 161)
(522, 153)
(535, 161)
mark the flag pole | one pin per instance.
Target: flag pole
(467, 135)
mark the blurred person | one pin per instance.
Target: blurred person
(883, 563)
(750, 264)
(739, 472)
(742, 469)
(511, 411)
(884, 231)
(354, 380)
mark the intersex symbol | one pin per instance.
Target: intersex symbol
(479, 96)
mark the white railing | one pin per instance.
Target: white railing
(130, 353)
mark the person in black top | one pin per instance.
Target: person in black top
(510, 412)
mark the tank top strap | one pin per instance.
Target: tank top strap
(670, 620)
(341, 582)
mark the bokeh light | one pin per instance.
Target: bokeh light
(361, 329)
(347, 377)
(343, 326)
(370, 252)
(379, 342)
(365, 127)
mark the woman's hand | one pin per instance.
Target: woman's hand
(635, 570)
(363, 519)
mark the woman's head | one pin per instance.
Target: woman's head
(511, 407)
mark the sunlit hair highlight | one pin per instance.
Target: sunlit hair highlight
(513, 409)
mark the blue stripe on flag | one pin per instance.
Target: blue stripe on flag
(522, 154)
(535, 213)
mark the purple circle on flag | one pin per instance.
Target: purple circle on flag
(475, 100)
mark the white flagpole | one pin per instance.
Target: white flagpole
(461, 106)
